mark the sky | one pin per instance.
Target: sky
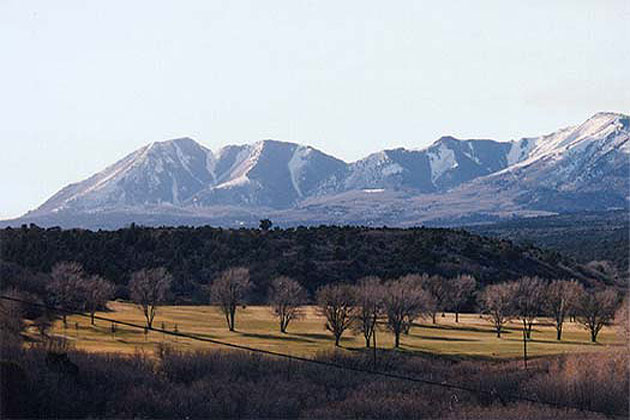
(84, 83)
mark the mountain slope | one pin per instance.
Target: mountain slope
(271, 174)
(585, 167)
(445, 164)
(167, 172)
(580, 168)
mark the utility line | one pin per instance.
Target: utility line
(493, 394)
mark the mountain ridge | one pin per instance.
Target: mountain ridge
(449, 179)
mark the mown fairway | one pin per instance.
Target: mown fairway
(472, 337)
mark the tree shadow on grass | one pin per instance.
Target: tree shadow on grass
(201, 334)
(428, 337)
(320, 336)
(580, 343)
(457, 328)
(284, 337)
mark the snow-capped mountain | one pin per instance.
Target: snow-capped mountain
(581, 167)
(271, 174)
(168, 172)
(183, 173)
(445, 164)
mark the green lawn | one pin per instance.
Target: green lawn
(472, 336)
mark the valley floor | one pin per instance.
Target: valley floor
(256, 327)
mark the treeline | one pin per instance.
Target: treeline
(396, 304)
(314, 256)
(586, 236)
(365, 307)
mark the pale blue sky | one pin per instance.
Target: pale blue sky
(83, 83)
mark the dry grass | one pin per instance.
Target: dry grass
(471, 337)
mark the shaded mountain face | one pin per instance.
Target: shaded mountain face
(447, 163)
(576, 168)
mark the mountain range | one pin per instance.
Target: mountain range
(451, 182)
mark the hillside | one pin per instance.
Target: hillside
(314, 256)
(585, 236)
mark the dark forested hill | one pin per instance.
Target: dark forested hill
(585, 236)
(313, 256)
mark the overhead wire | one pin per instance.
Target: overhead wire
(483, 392)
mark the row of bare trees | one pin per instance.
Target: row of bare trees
(397, 303)
(359, 307)
(71, 288)
(530, 298)
(394, 304)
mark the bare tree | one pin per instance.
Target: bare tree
(148, 288)
(459, 291)
(438, 292)
(496, 302)
(559, 300)
(286, 297)
(96, 291)
(368, 295)
(66, 285)
(595, 309)
(336, 304)
(228, 292)
(404, 300)
(528, 302)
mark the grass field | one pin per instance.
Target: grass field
(471, 337)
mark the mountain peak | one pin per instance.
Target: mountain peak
(609, 114)
(178, 140)
(182, 175)
(181, 143)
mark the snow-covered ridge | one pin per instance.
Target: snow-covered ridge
(600, 134)
(182, 173)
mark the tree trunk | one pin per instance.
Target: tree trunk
(397, 340)
(232, 313)
(92, 317)
(525, 338)
(498, 333)
(559, 332)
(433, 318)
(593, 336)
(456, 316)
(374, 346)
(525, 330)
(337, 338)
(530, 327)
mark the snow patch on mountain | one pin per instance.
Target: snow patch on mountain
(585, 166)
(442, 159)
(296, 166)
(520, 150)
